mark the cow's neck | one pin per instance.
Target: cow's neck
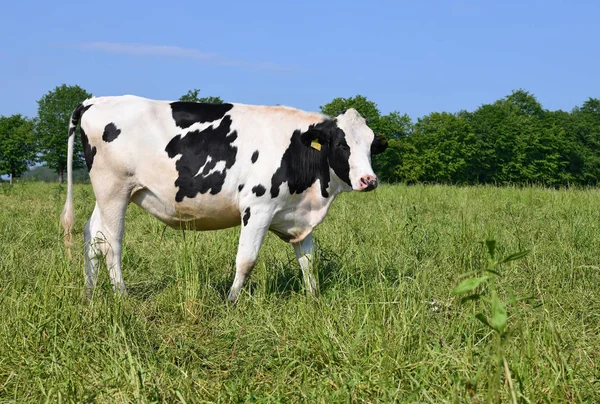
(320, 204)
(336, 186)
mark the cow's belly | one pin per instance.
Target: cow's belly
(204, 212)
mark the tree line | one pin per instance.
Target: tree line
(511, 141)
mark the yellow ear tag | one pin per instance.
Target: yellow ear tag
(315, 144)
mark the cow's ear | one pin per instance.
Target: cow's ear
(319, 134)
(379, 144)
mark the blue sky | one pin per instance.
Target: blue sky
(411, 56)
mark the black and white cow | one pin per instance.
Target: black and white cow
(212, 166)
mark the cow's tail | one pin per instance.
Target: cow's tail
(67, 217)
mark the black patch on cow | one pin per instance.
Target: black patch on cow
(76, 117)
(173, 148)
(259, 190)
(195, 149)
(111, 132)
(246, 216)
(240, 187)
(339, 156)
(186, 114)
(302, 165)
(254, 156)
(88, 151)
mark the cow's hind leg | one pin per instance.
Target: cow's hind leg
(305, 253)
(92, 250)
(254, 228)
(104, 236)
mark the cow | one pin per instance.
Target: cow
(205, 166)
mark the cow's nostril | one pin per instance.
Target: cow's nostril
(372, 185)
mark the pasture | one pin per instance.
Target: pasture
(386, 327)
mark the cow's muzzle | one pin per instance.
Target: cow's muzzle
(368, 182)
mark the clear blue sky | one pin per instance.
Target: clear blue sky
(411, 56)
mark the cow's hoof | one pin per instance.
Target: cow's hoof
(232, 297)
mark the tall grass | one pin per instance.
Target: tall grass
(386, 328)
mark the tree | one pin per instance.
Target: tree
(446, 147)
(17, 145)
(395, 126)
(367, 109)
(192, 96)
(54, 113)
(400, 162)
(508, 135)
(517, 141)
(525, 103)
(392, 126)
(587, 132)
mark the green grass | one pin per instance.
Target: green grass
(386, 328)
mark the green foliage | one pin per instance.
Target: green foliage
(586, 131)
(497, 317)
(367, 109)
(446, 148)
(392, 126)
(17, 145)
(468, 285)
(517, 142)
(193, 96)
(511, 141)
(54, 113)
(385, 328)
(399, 162)
(498, 308)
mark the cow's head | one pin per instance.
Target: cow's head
(349, 144)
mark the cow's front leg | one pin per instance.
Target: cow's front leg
(254, 227)
(305, 253)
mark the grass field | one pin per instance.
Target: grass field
(385, 329)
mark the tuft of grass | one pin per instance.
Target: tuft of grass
(497, 317)
(385, 328)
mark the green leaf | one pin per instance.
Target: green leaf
(516, 299)
(475, 296)
(514, 256)
(468, 274)
(492, 272)
(468, 285)
(481, 317)
(499, 316)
